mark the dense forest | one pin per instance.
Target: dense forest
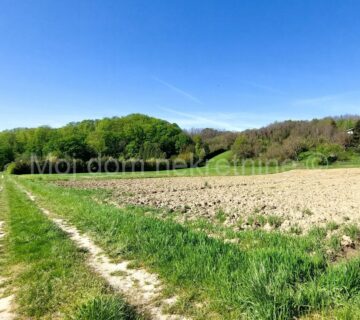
(142, 137)
(134, 136)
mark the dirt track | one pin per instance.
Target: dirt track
(303, 197)
(6, 300)
(141, 288)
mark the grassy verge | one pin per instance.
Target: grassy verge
(265, 276)
(3, 252)
(49, 273)
(325, 240)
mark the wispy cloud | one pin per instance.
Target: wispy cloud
(264, 87)
(200, 120)
(178, 90)
(323, 99)
(238, 121)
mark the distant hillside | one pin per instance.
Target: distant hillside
(295, 140)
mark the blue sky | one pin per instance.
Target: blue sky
(225, 64)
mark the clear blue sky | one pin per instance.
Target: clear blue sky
(225, 64)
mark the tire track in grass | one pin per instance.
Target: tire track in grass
(6, 301)
(141, 288)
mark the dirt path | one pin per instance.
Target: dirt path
(141, 288)
(6, 301)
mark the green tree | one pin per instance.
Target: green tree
(243, 148)
(6, 156)
(96, 141)
(355, 140)
(75, 147)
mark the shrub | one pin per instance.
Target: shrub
(105, 308)
(10, 168)
(355, 139)
(104, 164)
(46, 166)
(186, 157)
(331, 153)
(290, 149)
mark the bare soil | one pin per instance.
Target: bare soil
(305, 198)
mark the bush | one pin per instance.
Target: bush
(46, 166)
(105, 308)
(10, 168)
(104, 164)
(331, 153)
(186, 156)
(290, 149)
(355, 139)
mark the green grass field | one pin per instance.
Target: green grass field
(219, 165)
(267, 275)
(47, 272)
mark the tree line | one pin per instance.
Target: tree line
(139, 137)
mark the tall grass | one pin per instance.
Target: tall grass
(270, 276)
(50, 276)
